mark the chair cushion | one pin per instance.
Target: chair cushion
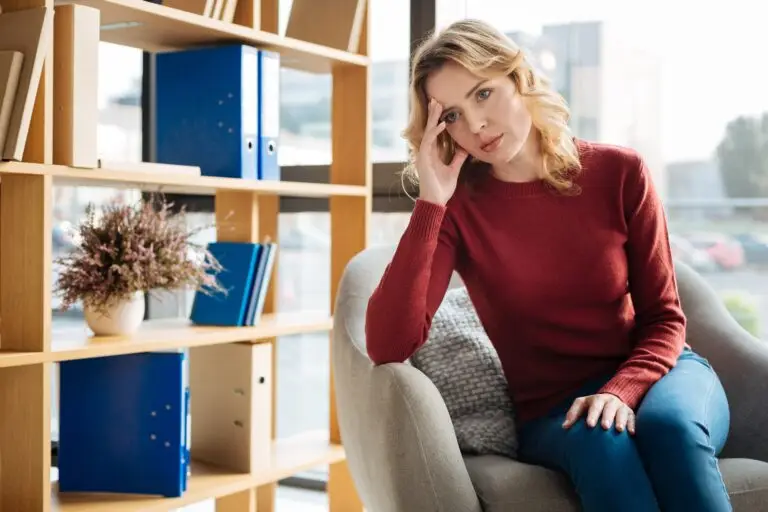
(503, 484)
(460, 360)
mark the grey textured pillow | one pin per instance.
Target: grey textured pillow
(460, 360)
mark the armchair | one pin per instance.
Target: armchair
(403, 453)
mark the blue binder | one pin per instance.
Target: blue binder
(124, 424)
(269, 115)
(207, 109)
(239, 261)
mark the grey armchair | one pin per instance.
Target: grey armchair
(403, 453)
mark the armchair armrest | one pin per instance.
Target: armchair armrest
(399, 439)
(740, 360)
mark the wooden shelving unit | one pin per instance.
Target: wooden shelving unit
(240, 471)
(285, 459)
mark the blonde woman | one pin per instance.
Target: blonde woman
(563, 246)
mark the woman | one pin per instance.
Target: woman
(563, 247)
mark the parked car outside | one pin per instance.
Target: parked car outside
(726, 251)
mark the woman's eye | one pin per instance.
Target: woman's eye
(483, 94)
(450, 117)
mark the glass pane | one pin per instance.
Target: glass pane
(306, 98)
(661, 96)
(119, 139)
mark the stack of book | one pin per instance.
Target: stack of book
(247, 271)
(223, 10)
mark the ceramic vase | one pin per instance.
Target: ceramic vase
(122, 318)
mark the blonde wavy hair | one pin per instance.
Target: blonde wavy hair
(488, 53)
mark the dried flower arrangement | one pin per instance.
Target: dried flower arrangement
(142, 247)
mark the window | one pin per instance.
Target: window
(306, 98)
(662, 94)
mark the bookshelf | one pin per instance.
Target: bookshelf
(238, 471)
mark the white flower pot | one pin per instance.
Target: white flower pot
(125, 317)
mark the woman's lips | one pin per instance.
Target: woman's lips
(492, 144)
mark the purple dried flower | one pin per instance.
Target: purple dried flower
(134, 248)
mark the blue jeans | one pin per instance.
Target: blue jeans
(670, 463)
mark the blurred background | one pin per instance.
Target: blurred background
(682, 86)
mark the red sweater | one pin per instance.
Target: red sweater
(568, 288)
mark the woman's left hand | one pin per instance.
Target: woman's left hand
(606, 406)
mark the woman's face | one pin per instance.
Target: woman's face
(488, 118)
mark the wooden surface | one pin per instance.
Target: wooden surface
(332, 23)
(264, 14)
(175, 182)
(153, 27)
(79, 343)
(287, 458)
(25, 279)
(25, 437)
(350, 218)
(176, 333)
(75, 93)
(244, 501)
(244, 217)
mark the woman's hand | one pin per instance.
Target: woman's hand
(606, 406)
(437, 181)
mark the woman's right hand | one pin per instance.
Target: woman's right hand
(437, 181)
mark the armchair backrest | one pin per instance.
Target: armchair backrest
(360, 278)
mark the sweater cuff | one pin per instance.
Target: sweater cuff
(426, 219)
(629, 390)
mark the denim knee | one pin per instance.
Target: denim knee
(597, 451)
(668, 434)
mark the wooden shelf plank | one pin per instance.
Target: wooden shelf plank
(11, 358)
(288, 457)
(155, 28)
(177, 183)
(79, 343)
(178, 333)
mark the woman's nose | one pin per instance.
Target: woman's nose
(475, 121)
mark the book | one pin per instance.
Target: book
(260, 284)
(228, 308)
(10, 71)
(246, 274)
